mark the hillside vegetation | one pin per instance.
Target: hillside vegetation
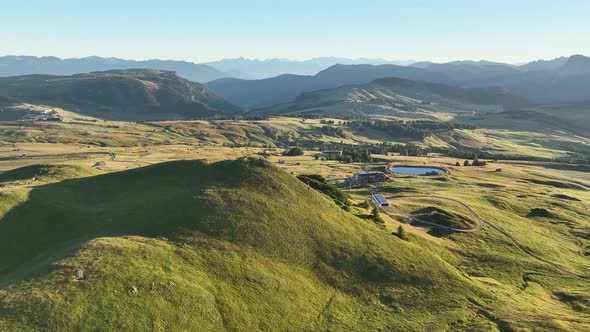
(134, 94)
(396, 97)
(159, 244)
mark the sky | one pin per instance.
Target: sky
(511, 31)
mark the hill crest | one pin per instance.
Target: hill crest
(132, 94)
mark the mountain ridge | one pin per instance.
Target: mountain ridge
(394, 95)
(133, 94)
(569, 82)
(26, 65)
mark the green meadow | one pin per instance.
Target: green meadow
(203, 225)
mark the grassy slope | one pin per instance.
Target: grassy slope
(399, 98)
(83, 135)
(133, 94)
(533, 291)
(210, 246)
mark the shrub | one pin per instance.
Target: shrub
(319, 183)
(296, 151)
(377, 215)
(365, 204)
(401, 233)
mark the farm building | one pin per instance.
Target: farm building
(380, 200)
(364, 177)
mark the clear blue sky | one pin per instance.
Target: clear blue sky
(500, 30)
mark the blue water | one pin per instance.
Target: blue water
(417, 170)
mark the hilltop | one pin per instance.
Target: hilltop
(135, 94)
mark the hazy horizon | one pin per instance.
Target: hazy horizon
(517, 63)
(197, 31)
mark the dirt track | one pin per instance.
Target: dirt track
(480, 225)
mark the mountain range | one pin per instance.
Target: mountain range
(26, 65)
(259, 69)
(561, 80)
(556, 81)
(199, 72)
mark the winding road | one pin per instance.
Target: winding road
(479, 226)
(480, 221)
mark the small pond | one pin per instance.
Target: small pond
(417, 170)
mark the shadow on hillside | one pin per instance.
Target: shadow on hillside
(162, 200)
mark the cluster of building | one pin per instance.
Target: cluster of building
(46, 115)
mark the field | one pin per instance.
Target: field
(164, 237)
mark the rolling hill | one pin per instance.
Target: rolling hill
(461, 71)
(135, 94)
(50, 65)
(560, 82)
(157, 245)
(242, 244)
(401, 98)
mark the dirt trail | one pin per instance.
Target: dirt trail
(480, 225)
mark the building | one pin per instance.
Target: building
(46, 115)
(380, 200)
(365, 177)
(331, 154)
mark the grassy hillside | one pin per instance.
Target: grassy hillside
(116, 145)
(161, 243)
(135, 94)
(401, 98)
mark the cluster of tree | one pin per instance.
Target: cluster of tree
(294, 151)
(476, 162)
(473, 153)
(320, 184)
(355, 154)
(392, 128)
(403, 149)
(285, 137)
(332, 131)
(305, 115)
(362, 153)
(376, 215)
(418, 129)
(235, 117)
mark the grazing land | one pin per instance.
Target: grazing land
(169, 237)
